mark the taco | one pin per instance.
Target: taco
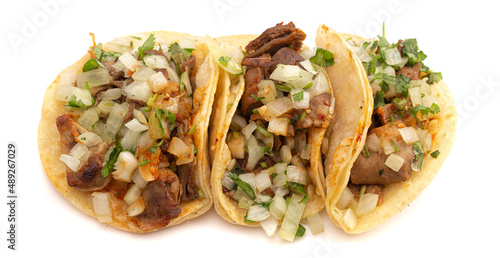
(123, 132)
(268, 130)
(409, 135)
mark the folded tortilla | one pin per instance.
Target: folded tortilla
(345, 149)
(205, 75)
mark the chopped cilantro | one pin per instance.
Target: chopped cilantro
(300, 231)
(148, 45)
(435, 154)
(143, 163)
(113, 157)
(247, 189)
(434, 77)
(224, 60)
(91, 64)
(300, 188)
(379, 99)
(418, 150)
(323, 58)
(298, 96)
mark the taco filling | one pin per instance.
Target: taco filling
(287, 92)
(398, 139)
(127, 132)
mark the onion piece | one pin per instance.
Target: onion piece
(249, 129)
(130, 139)
(136, 126)
(227, 182)
(415, 96)
(102, 206)
(267, 91)
(187, 43)
(239, 121)
(275, 108)
(172, 75)
(278, 126)
(249, 178)
(186, 83)
(136, 208)
(89, 139)
(308, 66)
(257, 213)
(269, 225)
(345, 198)
(88, 118)
(94, 78)
(78, 150)
(129, 61)
(373, 142)
(125, 166)
(300, 99)
(255, 152)
(245, 202)
(157, 81)
(367, 203)
(132, 194)
(111, 94)
(140, 91)
(394, 162)
(142, 74)
(350, 219)
(104, 107)
(278, 206)
(409, 134)
(296, 174)
(237, 146)
(387, 146)
(184, 152)
(292, 218)
(64, 93)
(114, 121)
(70, 161)
(262, 181)
(315, 223)
(286, 154)
(281, 177)
(392, 56)
(138, 180)
(156, 61)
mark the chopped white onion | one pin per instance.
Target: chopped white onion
(409, 134)
(292, 218)
(125, 166)
(278, 207)
(227, 182)
(286, 154)
(187, 43)
(293, 74)
(296, 174)
(280, 178)
(83, 95)
(320, 84)
(415, 96)
(245, 202)
(300, 98)
(345, 198)
(70, 161)
(140, 116)
(237, 146)
(114, 121)
(367, 203)
(306, 152)
(64, 93)
(104, 107)
(387, 146)
(373, 142)
(129, 140)
(239, 121)
(156, 61)
(281, 191)
(275, 108)
(111, 94)
(362, 54)
(257, 213)
(248, 178)
(269, 225)
(132, 194)
(315, 223)
(392, 56)
(394, 162)
(267, 91)
(249, 129)
(138, 180)
(278, 126)
(262, 181)
(136, 126)
(89, 139)
(129, 61)
(78, 150)
(186, 82)
(184, 152)
(136, 208)
(255, 152)
(172, 75)
(350, 219)
(88, 118)
(157, 81)
(94, 78)
(308, 66)
(140, 91)
(102, 206)
(428, 100)
(142, 74)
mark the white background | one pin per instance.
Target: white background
(457, 214)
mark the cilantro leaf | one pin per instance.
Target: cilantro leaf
(147, 45)
(91, 64)
(300, 188)
(418, 150)
(243, 185)
(224, 59)
(113, 157)
(435, 154)
(298, 96)
(403, 83)
(323, 58)
(100, 54)
(379, 99)
(300, 231)
(434, 77)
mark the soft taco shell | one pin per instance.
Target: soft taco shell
(396, 195)
(49, 142)
(225, 206)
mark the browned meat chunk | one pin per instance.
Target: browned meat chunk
(159, 201)
(189, 190)
(412, 72)
(318, 114)
(248, 101)
(385, 113)
(263, 61)
(286, 56)
(88, 177)
(272, 39)
(372, 170)
(188, 65)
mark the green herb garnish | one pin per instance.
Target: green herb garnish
(323, 58)
(247, 189)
